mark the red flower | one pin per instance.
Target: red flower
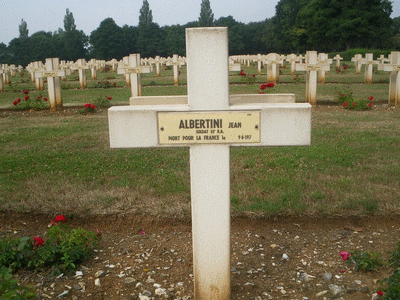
(344, 104)
(254, 75)
(45, 99)
(344, 255)
(93, 106)
(345, 67)
(15, 102)
(353, 104)
(39, 97)
(242, 73)
(38, 241)
(60, 218)
(109, 98)
(26, 98)
(270, 84)
(263, 86)
(379, 293)
(371, 98)
(370, 105)
(115, 84)
(87, 105)
(26, 92)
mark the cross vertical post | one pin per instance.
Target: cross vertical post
(207, 51)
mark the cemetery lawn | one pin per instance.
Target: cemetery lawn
(61, 162)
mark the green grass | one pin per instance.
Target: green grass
(63, 162)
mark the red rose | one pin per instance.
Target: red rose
(87, 105)
(38, 241)
(371, 98)
(26, 92)
(345, 67)
(114, 83)
(45, 99)
(15, 102)
(109, 98)
(353, 104)
(379, 293)
(370, 105)
(344, 104)
(60, 218)
(270, 84)
(263, 86)
(39, 97)
(19, 100)
(93, 106)
(26, 98)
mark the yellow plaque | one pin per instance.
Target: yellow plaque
(313, 68)
(133, 70)
(50, 74)
(216, 127)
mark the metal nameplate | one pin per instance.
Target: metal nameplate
(216, 127)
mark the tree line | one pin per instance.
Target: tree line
(297, 26)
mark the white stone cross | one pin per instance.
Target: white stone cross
(158, 61)
(311, 67)
(53, 74)
(38, 67)
(5, 73)
(209, 125)
(93, 68)
(357, 62)
(368, 61)
(292, 59)
(133, 70)
(81, 66)
(176, 63)
(323, 60)
(394, 80)
(272, 60)
(259, 59)
(1, 79)
(338, 58)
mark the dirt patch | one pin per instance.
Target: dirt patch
(140, 255)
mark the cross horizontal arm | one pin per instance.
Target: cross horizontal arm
(279, 124)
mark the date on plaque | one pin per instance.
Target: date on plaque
(216, 127)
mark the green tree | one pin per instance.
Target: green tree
(4, 55)
(23, 30)
(206, 18)
(42, 46)
(175, 40)
(286, 35)
(20, 48)
(149, 37)
(339, 25)
(107, 40)
(130, 36)
(146, 15)
(74, 41)
(235, 34)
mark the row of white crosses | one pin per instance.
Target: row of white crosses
(209, 125)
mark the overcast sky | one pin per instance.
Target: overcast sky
(48, 15)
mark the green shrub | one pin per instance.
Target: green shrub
(366, 261)
(10, 289)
